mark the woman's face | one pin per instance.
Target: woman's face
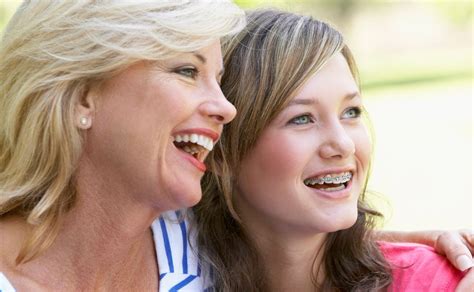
(309, 165)
(144, 118)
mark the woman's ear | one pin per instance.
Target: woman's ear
(85, 108)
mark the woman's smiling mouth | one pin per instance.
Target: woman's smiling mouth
(196, 146)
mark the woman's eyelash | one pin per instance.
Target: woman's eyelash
(190, 72)
(302, 119)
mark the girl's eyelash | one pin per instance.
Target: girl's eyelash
(357, 112)
(302, 119)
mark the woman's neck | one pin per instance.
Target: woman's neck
(105, 243)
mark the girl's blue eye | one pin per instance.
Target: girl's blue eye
(302, 120)
(352, 113)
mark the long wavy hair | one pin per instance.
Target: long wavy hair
(51, 53)
(265, 65)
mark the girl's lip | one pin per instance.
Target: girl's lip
(198, 164)
(335, 195)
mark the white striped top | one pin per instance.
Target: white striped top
(5, 286)
(178, 264)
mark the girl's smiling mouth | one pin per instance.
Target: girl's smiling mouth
(330, 182)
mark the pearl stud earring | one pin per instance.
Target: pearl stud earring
(84, 121)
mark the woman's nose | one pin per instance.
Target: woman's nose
(218, 108)
(337, 143)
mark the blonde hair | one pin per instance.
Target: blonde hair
(51, 53)
(265, 66)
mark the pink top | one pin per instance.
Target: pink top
(417, 267)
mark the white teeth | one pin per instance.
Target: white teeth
(201, 140)
(334, 189)
(209, 145)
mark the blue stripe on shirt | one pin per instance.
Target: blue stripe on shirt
(182, 283)
(167, 245)
(182, 224)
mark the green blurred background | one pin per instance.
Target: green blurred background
(415, 60)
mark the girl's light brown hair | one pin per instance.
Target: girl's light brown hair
(265, 65)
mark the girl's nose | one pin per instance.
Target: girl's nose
(337, 144)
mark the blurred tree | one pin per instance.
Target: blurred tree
(341, 12)
(338, 12)
(3, 15)
(458, 12)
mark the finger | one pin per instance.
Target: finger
(467, 283)
(468, 235)
(454, 247)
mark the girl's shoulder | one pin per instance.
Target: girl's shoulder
(417, 267)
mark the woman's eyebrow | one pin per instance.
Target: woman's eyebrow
(200, 58)
(204, 60)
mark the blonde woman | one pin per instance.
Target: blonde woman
(284, 207)
(98, 100)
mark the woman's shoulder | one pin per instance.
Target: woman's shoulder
(417, 267)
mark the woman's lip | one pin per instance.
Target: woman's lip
(200, 131)
(335, 195)
(198, 164)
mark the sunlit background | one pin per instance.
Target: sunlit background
(415, 60)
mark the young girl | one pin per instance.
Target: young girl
(285, 206)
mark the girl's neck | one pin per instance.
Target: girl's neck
(292, 262)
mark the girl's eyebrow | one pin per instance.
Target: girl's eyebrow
(303, 101)
(309, 101)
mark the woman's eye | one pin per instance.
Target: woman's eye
(302, 120)
(190, 72)
(352, 113)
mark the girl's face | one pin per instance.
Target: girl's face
(153, 126)
(309, 166)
